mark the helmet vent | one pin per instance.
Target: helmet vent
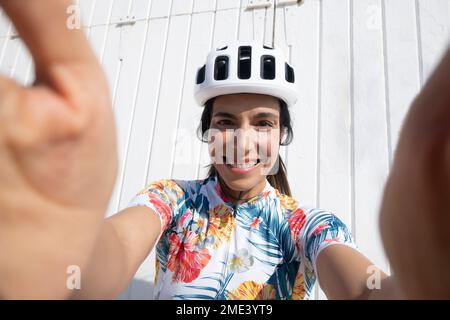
(201, 75)
(221, 68)
(268, 67)
(290, 76)
(245, 62)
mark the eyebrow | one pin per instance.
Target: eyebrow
(260, 115)
(225, 115)
(265, 115)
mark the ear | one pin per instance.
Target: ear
(283, 135)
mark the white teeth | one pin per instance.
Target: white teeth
(244, 166)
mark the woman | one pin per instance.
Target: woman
(237, 233)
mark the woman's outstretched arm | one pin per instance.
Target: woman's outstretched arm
(415, 212)
(57, 155)
(57, 169)
(125, 240)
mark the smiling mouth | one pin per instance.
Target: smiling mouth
(246, 165)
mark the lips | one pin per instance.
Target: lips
(246, 163)
(244, 167)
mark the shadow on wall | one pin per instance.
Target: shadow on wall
(138, 289)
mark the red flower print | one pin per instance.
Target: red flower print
(221, 194)
(163, 209)
(332, 240)
(296, 222)
(265, 194)
(320, 228)
(185, 215)
(255, 223)
(184, 260)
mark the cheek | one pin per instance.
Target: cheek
(217, 142)
(268, 146)
(271, 148)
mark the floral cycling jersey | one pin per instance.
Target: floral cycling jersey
(211, 248)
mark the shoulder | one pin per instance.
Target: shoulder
(176, 187)
(311, 221)
(305, 221)
(162, 186)
(287, 203)
(295, 213)
(293, 209)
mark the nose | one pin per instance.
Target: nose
(245, 145)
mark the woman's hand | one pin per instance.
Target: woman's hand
(57, 155)
(415, 213)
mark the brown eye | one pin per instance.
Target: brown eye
(265, 124)
(224, 122)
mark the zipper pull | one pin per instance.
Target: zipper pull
(236, 204)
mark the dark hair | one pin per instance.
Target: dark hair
(279, 180)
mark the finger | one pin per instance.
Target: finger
(43, 27)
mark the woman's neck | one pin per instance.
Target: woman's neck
(241, 196)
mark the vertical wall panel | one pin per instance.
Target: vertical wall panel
(369, 116)
(245, 24)
(230, 4)
(259, 21)
(182, 7)
(303, 34)
(160, 8)
(334, 112)
(22, 63)
(130, 51)
(434, 26)
(142, 131)
(334, 129)
(204, 5)
(163, 142)
(140, 9)
(10, 48)
(269, 25)
(302, 158)
(97, 38)
(87, 10)
(188, 145)
(4, 24)
(121, 10)
(401, 64)
(102, 12)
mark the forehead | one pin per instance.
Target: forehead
(246, 104)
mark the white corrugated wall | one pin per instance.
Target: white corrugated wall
(359, 64)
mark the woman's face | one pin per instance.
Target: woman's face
(246, 137)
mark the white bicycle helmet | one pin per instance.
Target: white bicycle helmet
(246, 67)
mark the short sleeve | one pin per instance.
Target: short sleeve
(163, 197)
(321, 230)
